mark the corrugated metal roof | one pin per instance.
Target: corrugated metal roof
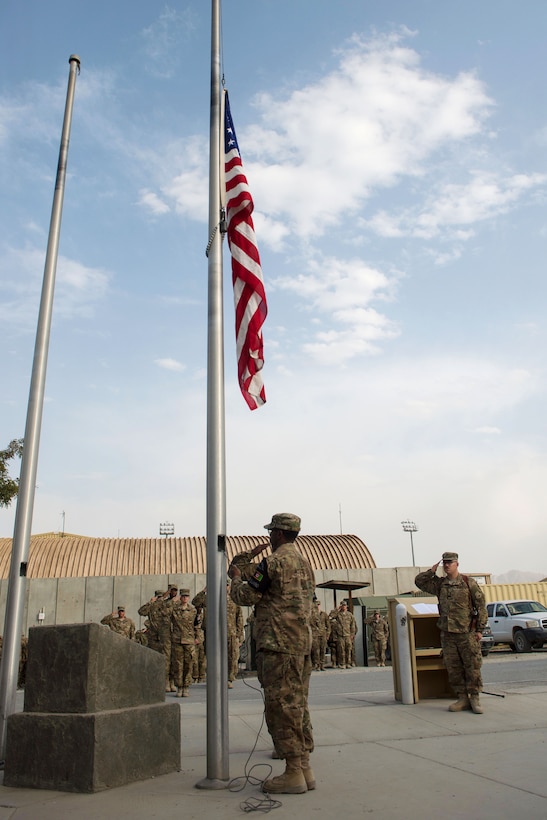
(74, 556)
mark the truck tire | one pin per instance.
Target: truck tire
(522, 644)
(484, 652)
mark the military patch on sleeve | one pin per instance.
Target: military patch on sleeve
(260, 580)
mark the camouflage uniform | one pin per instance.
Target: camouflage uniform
(141, 637)
(183, 641)
(235, 638)
(281, 589)
(321, 628)
(23, 658)
(123, 626)
(379, 634)
(200, 659)
(158, 611)
(461, 649)
(346, 628)
(235, 631)
(333, 637)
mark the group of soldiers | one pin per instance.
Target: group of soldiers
(176, 628)
(337, 630)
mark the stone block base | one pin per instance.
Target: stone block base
(94, 751)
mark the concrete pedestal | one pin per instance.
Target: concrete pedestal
(94, 714)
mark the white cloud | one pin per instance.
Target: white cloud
(163, 39)
(190, 189)
(152, 202)
(378, 117)
(452, 205)
(170, 364)
(77, 287)
(341, 292)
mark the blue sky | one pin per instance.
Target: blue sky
(396, 153)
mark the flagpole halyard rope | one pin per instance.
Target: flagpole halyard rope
(223, 228)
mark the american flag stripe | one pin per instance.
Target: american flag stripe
(249, 294)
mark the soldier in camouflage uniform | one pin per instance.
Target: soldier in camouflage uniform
(320, 627)
(235, 637)
(234, 629)
(23, 658)
(346, 629)
(158, 611)
(184, 639)
(281, 589)
(200, 659)
(379, 634)
(141, 636)
(118, 622)
(462, 617)
(333, 637)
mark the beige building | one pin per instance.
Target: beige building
(74, 579)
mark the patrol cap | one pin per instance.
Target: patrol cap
(172, 586)
(184, 591)
(376, 611)
(121, 608)
(450, 556)
(284, 521)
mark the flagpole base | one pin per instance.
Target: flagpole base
(212, 784)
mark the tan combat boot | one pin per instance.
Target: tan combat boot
(292, 781)
(461, 704)
(307, 771)
(172, 687)
(179, 691)
(185, 692)
(476, 704)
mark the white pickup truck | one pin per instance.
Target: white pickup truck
(521, 624)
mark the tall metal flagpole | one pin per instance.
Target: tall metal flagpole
(217, 638)
(11, 647)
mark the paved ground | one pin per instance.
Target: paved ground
(374, 757)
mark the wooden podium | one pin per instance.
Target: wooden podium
(429, 676)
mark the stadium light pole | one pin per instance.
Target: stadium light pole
(410, 526)
(167, 529)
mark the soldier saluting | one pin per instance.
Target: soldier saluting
(462, 617)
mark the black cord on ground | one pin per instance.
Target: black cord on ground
(265, 803)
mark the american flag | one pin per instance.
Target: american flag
(249, 294)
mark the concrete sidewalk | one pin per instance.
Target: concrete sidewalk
(374, 757)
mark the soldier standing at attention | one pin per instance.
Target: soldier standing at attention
(315, 626)
(235, 632)
(184, 639)
(346, 629)
(151, 623)
(333, 637)
(118, 622)
(320, 626)
(200, 658)
(379, 633)
(235, 637)
(324, 634)
(158, 611)
(281, 589)
(462, 617)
